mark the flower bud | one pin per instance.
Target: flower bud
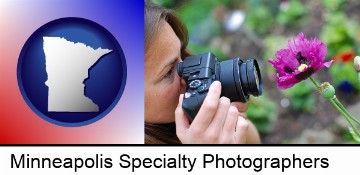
(327, 90)
(357, 63)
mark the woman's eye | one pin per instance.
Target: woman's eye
(169, 73)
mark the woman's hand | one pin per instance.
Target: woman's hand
(218, 120)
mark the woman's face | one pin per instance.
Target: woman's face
(162, 83)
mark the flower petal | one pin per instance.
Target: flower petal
(286, 57)
(287, 81)
(328, 64)
(299, 44)
(304, 74)
(284, 63)
(315, 51)
(316, 65)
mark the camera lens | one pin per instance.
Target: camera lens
(253, 78)
(240, 79)
(256, 78)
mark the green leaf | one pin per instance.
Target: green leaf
(259, 19)
(333, 5)
(292, 14)
(262, 112)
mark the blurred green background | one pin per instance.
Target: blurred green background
(257, 29)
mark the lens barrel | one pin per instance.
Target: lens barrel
(240, 79)
(253, 77)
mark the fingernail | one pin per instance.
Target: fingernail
(242, 119)
(216, 83)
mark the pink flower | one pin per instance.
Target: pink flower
(299, 61)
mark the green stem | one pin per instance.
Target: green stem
(345, 115)
(315, 83)
(344, 109)
(359, 78)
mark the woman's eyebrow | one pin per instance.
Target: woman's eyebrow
(169, 64)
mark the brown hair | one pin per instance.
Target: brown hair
(155, 16)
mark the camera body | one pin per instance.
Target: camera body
(238, 79)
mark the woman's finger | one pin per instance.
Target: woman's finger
(182, 123)
(208, 108)
(218, 121)
(243, 114)
(242, 107)
(241, 130)
(230, 124)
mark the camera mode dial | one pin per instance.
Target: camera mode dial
(195, 84)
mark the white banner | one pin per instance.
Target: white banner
(110, 160)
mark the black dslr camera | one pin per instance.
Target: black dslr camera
(238, 79)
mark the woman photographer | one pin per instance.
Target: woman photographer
(218, 120)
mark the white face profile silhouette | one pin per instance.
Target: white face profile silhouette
(67, 66)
